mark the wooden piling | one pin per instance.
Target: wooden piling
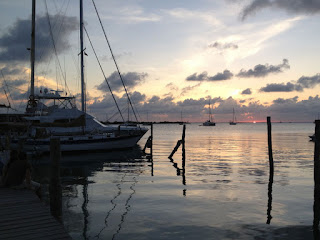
(183, 133)
(271, 171)
(151, 146)
(316, 205)
(55, 186)
(182, 141)
(183, 153)
(271, 167)
(175, 149)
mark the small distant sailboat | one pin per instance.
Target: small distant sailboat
(234, 119)
(209, 122)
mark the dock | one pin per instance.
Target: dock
(24, 216)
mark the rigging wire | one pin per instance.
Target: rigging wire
(5, 92)
(103, 73)
(46, 44)
(53, 42)
(115, 60)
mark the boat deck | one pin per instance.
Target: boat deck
(24, 216)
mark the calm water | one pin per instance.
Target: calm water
(222, 195)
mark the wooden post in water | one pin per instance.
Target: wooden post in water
(316, 205)
(184, 159)
(270, 148)
(175, 149)
(151, 146)
(182, 141)
(183, 151)
(55, 186)
(271, 171)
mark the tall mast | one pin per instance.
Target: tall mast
(33, 44)
(233, 116)
(209, 111)
(83, 106)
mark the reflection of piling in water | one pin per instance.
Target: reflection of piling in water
(271, 171)
(269, 200)
(84, 209)
(55, 186)
(316, 205)
(179, 171)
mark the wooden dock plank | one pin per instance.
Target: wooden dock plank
(24, 216)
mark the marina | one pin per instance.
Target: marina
(220, 190)
(152, 120)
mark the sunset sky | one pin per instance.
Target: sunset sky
(261, 58)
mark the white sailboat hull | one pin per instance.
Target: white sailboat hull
(80, 143)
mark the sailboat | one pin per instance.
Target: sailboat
(210, 121)
(234, 119)
(77, 130)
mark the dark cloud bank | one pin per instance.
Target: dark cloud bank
(299, 85)
(166, 109)
(225, 75)
(264, 70)
(258, 71)
(15, 41)
(130, 79)
(291, 6)
(161, 108)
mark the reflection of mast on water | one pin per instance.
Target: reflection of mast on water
(84, 208)
(128, 207)
(114, 206)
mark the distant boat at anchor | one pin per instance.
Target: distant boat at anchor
(234, 119)
(210, 121)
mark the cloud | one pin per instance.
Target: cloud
(187, 89)
(193, 15)
(279, 87)
(302, 83)
(263, 70)
(106, 58)
(131, 79)
(132, 15)
(286, 101)
(136, 97)
(17, 82)
(223, 46)
(195, 77)
(246, 91)
(12, 70)
(16, 40)
(291, 6)
(225, 75)
(172, 87)
(166, 109)
(309, 82)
